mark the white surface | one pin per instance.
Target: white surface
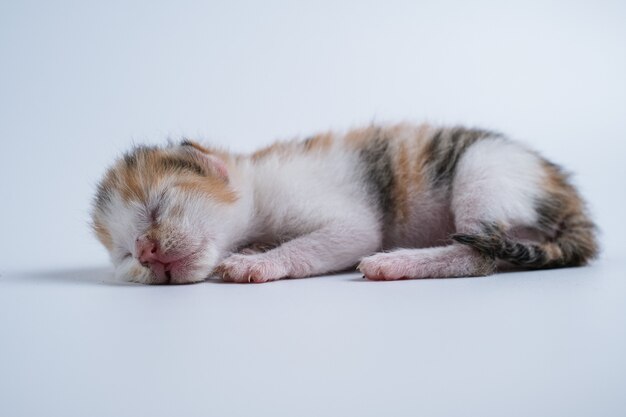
(547, 343)
(80, 82)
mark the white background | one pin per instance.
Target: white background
(80, 82)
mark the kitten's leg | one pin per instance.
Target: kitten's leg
(438, 262)
(495, 183)
(331, 248)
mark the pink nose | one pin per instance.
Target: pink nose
(148, 251)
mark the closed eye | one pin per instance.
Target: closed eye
(124, 255)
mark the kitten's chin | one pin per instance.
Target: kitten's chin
(173, 277)
(129, 270)
(186, 277)
(176, 274)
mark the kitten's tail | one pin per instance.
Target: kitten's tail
(574, 244)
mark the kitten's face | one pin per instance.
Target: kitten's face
(163, 213)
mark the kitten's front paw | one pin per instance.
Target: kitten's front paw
(250, 268)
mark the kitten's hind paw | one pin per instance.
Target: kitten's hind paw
(382, 267)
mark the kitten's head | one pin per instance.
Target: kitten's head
(163, 213)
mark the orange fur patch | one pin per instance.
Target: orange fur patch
(277, 148)
(214, 187)
(150, 168)
(103, 234)
(401, 183)
(130, 185)
(409, 166)
(420, 156)
(576, 242)
(555, 183)
(320, 142)
(357, 138)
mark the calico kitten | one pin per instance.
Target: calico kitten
(401, 201)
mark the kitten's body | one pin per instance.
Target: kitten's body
(455, 200)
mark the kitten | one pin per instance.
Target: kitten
(401, 201)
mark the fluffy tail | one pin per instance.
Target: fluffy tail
(573, 244)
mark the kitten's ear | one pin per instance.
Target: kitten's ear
(216, 165)
(212, 162)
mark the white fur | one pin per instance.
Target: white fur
(496, 181)
(315, 205)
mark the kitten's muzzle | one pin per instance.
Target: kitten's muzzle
(148, 251)
(151, 255)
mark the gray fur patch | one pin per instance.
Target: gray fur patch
(103, 196)
(377, 162)
(493, 242)
(171, 163)
(446, 148)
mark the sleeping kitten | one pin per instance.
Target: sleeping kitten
(400, 201)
